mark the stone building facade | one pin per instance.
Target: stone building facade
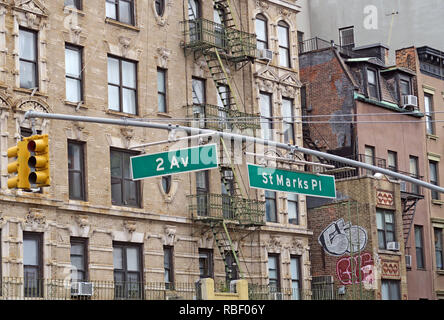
(134, 59)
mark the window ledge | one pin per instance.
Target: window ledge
(389, 252)
(122, 24)
(29, 91)
(164, 114)
(121, 114)
(432, 136)
(75, 105)
(440, 272)
(438, 202)
(67, 9)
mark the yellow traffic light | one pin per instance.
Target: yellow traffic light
(19, 167)
(38, 162)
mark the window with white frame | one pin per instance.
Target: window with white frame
(284, 44)
(265, 104)
(121, 10)
(292, 204)
(161, 90)
(122, 85)
(28, 56)
(261, 32)
(288, 120)
(73, 69)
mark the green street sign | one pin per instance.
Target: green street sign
(290, 181)
(173, 162)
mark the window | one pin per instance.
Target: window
(405, 87)
(301, 41)
(266, 115)
(166, 184)
(284, 44)
(219, 18)
(122, 85)
(168, 267)
(372, 81)
(261, 32)
(205, 263)
(161, 90)
(28, 59)
(392, 159)
(369, 157)
(73, 69)
(433, 168)
(347, 37)
(120, 10)
(76, 170)
(193, 9)
(270, 206)
(232, 273)
(199, 100)
(288, 120)
(227, 188)
(414, 173)
(428, 108)
(224, 104)
(390, 290)
(385, 222)
(128, 283)
(77, 4)
(202, 190)
(32, 264)
(292, 203)
(160, 7)
(295, 271)
(438, 249)
(419, 244)
(273, 272)
(124, 191)
(78, 259)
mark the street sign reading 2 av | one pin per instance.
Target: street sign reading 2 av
(173, 162)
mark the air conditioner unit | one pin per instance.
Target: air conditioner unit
(408, 261)
(393, 246)
(276, 296)
(265, 54)
(410, 101)
(82, 289)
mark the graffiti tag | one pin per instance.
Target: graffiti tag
(360, 271)
(340, 238)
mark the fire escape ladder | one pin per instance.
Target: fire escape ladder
(408, 213)
(225, 10)
(225, 245)
(310, 143)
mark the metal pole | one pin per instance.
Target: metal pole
(234, 136)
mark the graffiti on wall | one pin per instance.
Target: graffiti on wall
(340, 238)
(356, 269)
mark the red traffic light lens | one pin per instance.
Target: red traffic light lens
(31, 146)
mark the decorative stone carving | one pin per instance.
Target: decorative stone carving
(130, 226)
(35, 218)
(274, 243)
(127, 134)
(124, 44)
(263, 5)
(285, 13)
(32, 103)
(170, 235)
(82, 221)
(163, 55)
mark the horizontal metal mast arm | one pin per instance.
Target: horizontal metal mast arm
(161, 126)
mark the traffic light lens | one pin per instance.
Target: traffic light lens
(31, 146)
(32, 178)
(32, 162)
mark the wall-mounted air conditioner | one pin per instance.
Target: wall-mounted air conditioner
(265, 54)
(410, 101)
(394, 246)
(82, 289)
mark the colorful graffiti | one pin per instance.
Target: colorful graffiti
(340, 238)
(360, 271)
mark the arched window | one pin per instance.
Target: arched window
(261, 32)
(284, 44)
(193, 9)
(160, 7)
